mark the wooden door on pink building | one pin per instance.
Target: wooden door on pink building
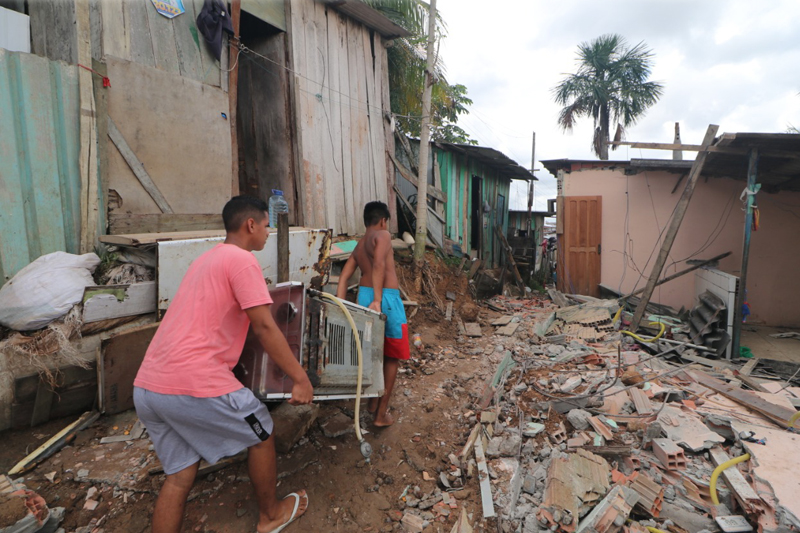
(579, 245)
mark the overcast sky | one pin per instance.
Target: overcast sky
(732, 63)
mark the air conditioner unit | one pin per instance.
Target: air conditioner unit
(322, 340)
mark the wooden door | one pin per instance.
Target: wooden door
(579, 246)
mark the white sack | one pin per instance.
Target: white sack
(45, 290)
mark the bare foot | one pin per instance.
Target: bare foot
(382, 421)
(286, 505)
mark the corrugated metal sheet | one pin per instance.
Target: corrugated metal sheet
(39, 173)
(457, 171)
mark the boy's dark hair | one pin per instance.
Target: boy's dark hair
(240, 208)
(374, 212)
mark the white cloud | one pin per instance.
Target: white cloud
(731, 64)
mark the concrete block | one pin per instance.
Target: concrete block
(579, 419)
(291, 423)
(670, 455)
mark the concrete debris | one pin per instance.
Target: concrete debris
(664, 429)
(579, 419)
(573, 486)
(610, 514)
(670, 455)
(651, 494)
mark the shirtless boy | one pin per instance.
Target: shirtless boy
(185, 391)
(379, 291)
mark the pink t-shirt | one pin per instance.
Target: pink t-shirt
(201, 337)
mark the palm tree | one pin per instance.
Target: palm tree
(610, 86)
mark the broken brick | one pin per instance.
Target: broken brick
(670, 454)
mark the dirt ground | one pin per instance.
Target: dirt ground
(432, 404)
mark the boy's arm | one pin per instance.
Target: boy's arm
(383, 247)
(344, 278)
(273, 341)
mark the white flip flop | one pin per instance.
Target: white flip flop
(292, 518)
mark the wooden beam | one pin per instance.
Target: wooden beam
(56, 442)
(407, 149)
(744, 493)
(510, 257)
(677, 183)
(283, 247)
(777, 413)
(712, 149)
(752, 174)
(679, 274)
(675, 224)
(137, 167)
(124, 224)
(433, 192)
(87, 158)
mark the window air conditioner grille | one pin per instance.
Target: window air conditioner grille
(353, 351)
(336, 347)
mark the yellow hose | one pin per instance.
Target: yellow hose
(794, 419)
(616, 316)
(653, 530)
(640, 339)
(712, 485)
(360, 359)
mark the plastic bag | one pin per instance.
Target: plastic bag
(45, 290)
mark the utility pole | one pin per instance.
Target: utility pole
(530, 185)
(424, 147)
(530, 230)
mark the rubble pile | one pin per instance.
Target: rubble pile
(587, 430)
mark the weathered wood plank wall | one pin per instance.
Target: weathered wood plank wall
(341, 90)
(189, 158)
(134, 31)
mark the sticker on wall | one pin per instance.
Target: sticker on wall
(169, 8)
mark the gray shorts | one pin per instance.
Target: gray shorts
(184, 428)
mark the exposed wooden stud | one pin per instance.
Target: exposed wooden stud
(432, 191)
(675, 224)
(137, 167)
(90, 191)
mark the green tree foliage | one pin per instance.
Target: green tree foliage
(407, 75)
(610, 86)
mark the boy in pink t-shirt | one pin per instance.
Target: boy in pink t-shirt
(185, 391)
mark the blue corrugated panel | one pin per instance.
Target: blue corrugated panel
(39, 173)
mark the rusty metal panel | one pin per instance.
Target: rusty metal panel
(40, 181)
(309, 261)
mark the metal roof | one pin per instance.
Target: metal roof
(778, 160)
(369, 17)
(493, 159)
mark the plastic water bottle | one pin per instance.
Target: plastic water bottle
(277, 204)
